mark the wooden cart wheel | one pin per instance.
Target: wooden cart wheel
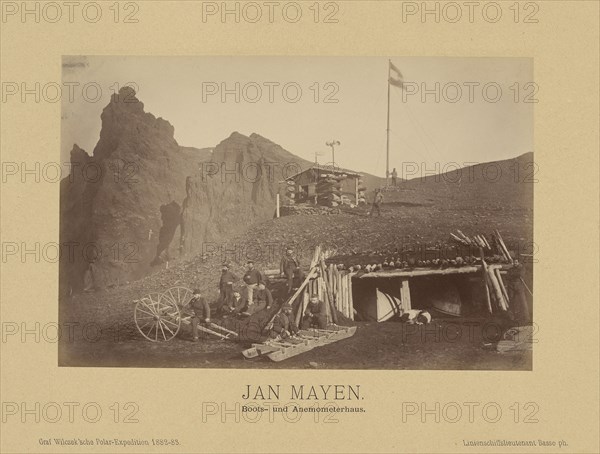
(179, 296)
(157, 318)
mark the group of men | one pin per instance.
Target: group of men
(258, 297)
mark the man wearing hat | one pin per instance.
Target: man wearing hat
(252, 278)
(283, 324)
(377, 202)
(226, 286)
(235, 306)
(201, 311)
(238, 303)
(290, 268)
(315, 314)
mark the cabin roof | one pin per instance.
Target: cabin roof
(415, 272)
(326, 168)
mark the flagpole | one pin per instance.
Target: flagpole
(387, 147)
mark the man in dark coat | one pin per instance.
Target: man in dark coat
(290, 268)
(315, 314)
(237, 305)
(201, 311)
(377, 202)
(226, 286)
(284, 325)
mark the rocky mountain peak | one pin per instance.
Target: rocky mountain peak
(79, 156)
(153, 204)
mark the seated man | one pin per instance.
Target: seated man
(236, 305)
(315, 314)
(201, 310)
(262, 299)
(284, 325)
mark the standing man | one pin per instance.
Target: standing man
(290, 268)
(252, 278)
(377, 202)
(315, 314)
(201, 311)
(394, 177)
(226, 286)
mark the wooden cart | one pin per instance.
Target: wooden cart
(160, 316)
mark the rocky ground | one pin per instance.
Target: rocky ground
(446, 344)
(112, 339)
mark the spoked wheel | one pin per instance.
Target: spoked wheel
(180, 296)
(158, 319)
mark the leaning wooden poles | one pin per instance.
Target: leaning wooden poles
(333, 286)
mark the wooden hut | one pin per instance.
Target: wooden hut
(381, 294)
(326, 185)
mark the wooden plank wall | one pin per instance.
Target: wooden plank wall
(340, 286)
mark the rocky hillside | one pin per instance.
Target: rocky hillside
(111, 202)
(491, 185)
(140, 199)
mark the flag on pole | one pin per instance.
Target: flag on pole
(396, 78)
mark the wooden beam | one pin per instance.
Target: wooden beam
(496, 288)
(502, 286)
(405, 295)
(422, 272)
(503, 246)
(350, 299)
(327, 291)
(485, 281)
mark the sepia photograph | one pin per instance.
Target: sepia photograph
(299, 226)
(279, 212)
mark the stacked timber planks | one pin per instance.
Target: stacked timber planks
(480, 241)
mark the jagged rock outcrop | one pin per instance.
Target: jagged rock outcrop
(235, 188)
(142, 199)
(111, 201)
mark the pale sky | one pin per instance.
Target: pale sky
(177, 89)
